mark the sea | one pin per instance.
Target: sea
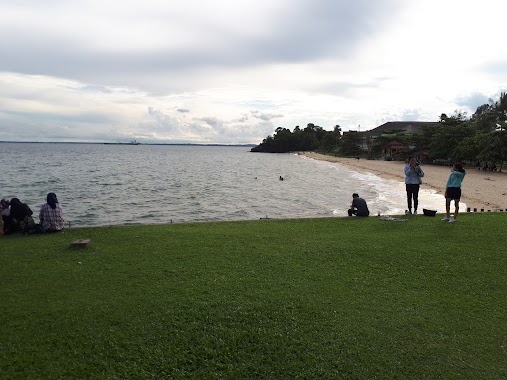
(108, 184)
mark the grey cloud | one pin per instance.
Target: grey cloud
(344, 88)
(304, 31)
(25, 131)
(495, 69)
(59, 118)
(242, 119)
(255, 115)
(212, 121)
(93, 89)
(165, 122)
(410, 115)
(331, 28)
(182, 110)
(472, 101)
(174, 128)
(212, 129)
(265, 116)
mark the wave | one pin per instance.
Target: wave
(156, 184)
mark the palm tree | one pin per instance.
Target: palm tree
(500, 138)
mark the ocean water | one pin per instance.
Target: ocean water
(100, 184)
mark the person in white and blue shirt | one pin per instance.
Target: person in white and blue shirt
(413, 175)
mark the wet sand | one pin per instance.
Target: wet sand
(480, 189)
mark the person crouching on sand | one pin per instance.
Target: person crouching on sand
(453, 191)
(358, 206)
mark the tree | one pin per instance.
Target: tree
(459, 117)
(312, 137)
(283, 140)
(484, 118)
(495, 148)
(500, 108)
(445, 138)
(470, 148)
(328, 143)
(351, 143)
(489, 115)
(491, 120)
(337, 131)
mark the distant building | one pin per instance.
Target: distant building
(407, 127)
(392, 128)
(393, 150)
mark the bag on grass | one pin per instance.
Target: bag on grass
(27, 224)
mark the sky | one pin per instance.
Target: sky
(231, 72)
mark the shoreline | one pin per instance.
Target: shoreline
(480, 189)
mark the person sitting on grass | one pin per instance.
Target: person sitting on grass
(51, 215)
(20, 217)
(358, 206)
(5, 212)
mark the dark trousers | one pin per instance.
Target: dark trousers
(412, 193)
(354, 212)
(10, 226)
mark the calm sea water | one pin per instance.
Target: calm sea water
(125, 184)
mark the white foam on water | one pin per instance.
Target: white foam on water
(386, 196)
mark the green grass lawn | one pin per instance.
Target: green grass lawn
(335, 298)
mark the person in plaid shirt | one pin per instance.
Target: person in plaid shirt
(51, 215)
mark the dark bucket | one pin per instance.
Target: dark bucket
(427, 212)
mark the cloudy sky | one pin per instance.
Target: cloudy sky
(227, 71)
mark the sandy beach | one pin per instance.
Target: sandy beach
(481, 189)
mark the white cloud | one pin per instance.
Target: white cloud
(224, 71)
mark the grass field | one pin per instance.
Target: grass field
(335, 298)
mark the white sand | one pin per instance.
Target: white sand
(480, 189)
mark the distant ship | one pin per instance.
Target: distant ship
(133, 142)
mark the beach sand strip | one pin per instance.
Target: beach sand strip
(480, 189)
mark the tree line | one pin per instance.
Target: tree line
(479, 138)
